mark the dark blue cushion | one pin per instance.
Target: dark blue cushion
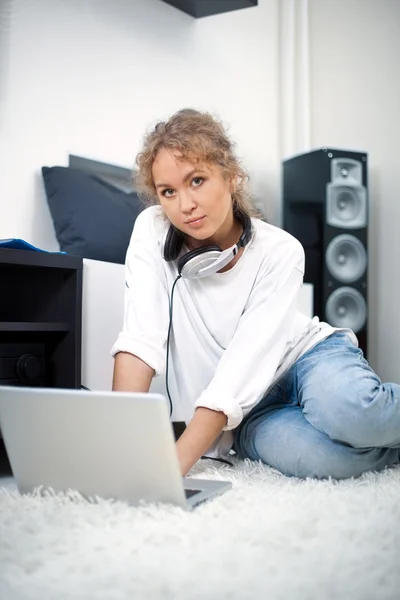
(92, 219)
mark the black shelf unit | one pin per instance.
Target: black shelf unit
(207, 8)
(40, 321)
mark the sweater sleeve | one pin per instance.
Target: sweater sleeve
(145, 325)
(249, 363)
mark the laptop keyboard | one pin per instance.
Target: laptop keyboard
(190, 493)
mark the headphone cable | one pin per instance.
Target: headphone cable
(171, 307)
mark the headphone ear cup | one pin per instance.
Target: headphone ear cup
(186, 258)
(172, 244)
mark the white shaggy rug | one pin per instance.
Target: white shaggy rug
(270, 538)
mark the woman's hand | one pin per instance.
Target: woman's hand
(198, 436)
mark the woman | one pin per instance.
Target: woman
(252, 373)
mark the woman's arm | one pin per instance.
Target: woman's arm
(146, 311)
(131, 374)
(198, 436)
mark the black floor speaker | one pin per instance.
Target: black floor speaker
(325, 206)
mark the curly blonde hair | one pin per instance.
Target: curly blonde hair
(198, 136)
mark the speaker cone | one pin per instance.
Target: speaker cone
(347, 204)
(346, 258)
(346, 307)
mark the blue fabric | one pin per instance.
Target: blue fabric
(329, 416)
(18, 244)
(92, 219)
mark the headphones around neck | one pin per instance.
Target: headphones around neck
(206, 260)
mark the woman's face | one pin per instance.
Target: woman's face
(195, 197)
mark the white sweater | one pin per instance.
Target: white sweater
(233, 333)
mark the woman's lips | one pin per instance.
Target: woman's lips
(196, 223)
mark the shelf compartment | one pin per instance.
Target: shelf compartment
(30, 326)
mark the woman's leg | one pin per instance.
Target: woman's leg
(279, 430)
(282, 438)
(341, 396)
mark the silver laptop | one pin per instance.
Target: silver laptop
(108, 444)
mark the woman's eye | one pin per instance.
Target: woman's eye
(168, 193)
(196, 181)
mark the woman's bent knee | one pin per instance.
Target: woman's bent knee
(351, 405)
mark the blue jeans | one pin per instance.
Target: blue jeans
(328, 416)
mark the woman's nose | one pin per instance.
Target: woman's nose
(186, 201)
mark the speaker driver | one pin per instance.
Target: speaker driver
(346, 307)
(346, 258)
(347, 204)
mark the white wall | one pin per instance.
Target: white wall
(355, 96)
(89, 76)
